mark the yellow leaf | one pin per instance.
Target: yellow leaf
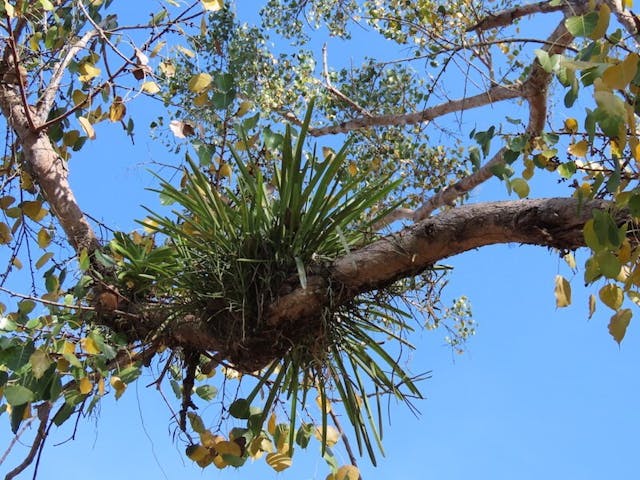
(42, 261)
(228, 448)
(87, 127)
(44, 238)
(5, 234)
(612, 296)
(150, 87)
(9, 9)
(33, 210)
(619, 323)
(520, 186)
(89, 346)
(592, 305)
(225, 170)
(88, 72)
(617, 77)
(352, 169)
(219, 462)
(119, 386)
(327, 405)
(571, 125)
(117, 111)
(197, 452)
(271, 424)
(562, 292)
(85, 386)
(199, 83)
(212, 5)
(243, 108)
(333, 435)
(69, 348)
(101, 386)
(600, 29)
(327, 153)
(201, 100)
(571, 260)
(70, 138)
(278, 461)
(40, 362)
(347, 472)
(6, 201)
(79, 97)
(157, 49)
(579, 149)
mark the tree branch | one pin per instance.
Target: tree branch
(494, 94)
(534, 90)
(507, 17)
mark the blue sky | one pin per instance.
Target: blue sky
(539, 392)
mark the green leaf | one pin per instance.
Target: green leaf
(609, 264)
(18, 395)
(40, 362)
(240, 408)
(207, 392)
(583, 25)
(521, 187)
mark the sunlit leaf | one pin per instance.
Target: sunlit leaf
(592, 305)
(520, 186)
(5, 234)
(562, 291)
(87, 127)
(85, 386)
(617, 77)
(150, 87)
(18, 395)
(571, 125)
(612, 296)
(333, 435)
(278, 461)
(89, 346)
(43, 260)
(212, 5)
(40, 362)
(199, 82)
(117, 111)
(619, 323)
(118, 385)
(579, 149)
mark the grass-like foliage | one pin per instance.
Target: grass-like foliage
(239, 248)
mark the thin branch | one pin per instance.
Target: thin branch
(45, 103)
(494, 94)
(336, 92)
(43, 415)
(534, 90)
(46, 302)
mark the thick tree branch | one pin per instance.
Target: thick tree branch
(626, 17)
(507, 17)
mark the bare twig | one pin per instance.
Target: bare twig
(19, 77)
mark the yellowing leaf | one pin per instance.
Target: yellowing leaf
(228, 448)
(5, 234)
(612, 296)
(243, 108)
(201, 100)
(68, 348)
(101, 386)
(197, 452)
(89, 346)
(33, 210)
(225, 170)
(40, 362)
(352, 169)
(520, 186)
(198, 83)
(85, 386)
(43, 260)
(592, 305)
(88, 72)
(617, 77)
(347, 472)
(571, 125)
(79, 97)
(271, 424)
(619, 323)
(278, 461)
(9, 9)
(327, 405)
(150, 87)
(117, 111)
(562, 292)
(333, 435)
(571, 260)
(44, 238)
(87, 127)
(119, 385)
(604, 15)
(579, 149)
(212, 5)
(219, 462)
